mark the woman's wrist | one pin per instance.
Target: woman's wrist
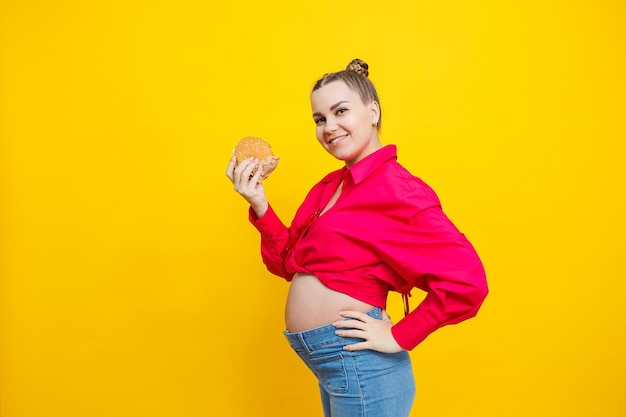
(260, 209)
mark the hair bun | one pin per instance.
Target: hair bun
(358, 66)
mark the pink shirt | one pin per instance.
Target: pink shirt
(385, 232)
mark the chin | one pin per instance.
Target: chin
(339, 155)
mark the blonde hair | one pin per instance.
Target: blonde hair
(355, 77)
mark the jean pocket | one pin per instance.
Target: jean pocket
(331, 373)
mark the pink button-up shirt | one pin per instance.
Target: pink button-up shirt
(385, 232)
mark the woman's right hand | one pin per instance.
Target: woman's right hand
(246, 178)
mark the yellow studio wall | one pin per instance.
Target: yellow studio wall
(132, 284)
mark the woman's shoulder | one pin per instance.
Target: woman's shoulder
(405, 185)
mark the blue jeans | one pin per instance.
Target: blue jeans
(364, 383)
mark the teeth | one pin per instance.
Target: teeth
(336, 139)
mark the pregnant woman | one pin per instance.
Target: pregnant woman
(366, 229)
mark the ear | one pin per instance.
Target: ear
(374, 108)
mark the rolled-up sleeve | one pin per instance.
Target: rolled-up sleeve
(430, 253)
(274, 237)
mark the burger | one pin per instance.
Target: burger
(255, 147)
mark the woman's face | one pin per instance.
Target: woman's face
(345, 127)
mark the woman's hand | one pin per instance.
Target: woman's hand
(377, 333)
(246, 178)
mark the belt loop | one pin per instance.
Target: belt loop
(303, 342)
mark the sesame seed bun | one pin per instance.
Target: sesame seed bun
(255, 147)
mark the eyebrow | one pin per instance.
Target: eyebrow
(333, 107)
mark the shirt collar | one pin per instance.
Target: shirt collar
(366, 166)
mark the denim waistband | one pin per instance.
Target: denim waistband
(323, 335)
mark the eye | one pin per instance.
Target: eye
(341, 110)
(319, 120)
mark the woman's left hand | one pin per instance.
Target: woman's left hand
(377, 333)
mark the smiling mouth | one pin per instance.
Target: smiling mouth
(337, 139)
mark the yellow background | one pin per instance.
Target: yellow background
(131, 282)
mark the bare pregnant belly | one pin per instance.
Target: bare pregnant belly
(311, 304)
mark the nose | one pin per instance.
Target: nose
(330, 126)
